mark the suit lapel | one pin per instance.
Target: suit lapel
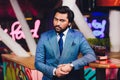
(54, 43)
(68, 43)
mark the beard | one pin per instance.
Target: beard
(58, 29)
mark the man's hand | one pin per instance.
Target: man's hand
(60, 73)
(66, 68)
(63, 70)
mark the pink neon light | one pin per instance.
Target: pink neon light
(17, 33)
(35, 30)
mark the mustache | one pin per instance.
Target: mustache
(57, 26)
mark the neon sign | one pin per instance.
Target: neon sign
(99, 27)
(17, 34)
(16, 31)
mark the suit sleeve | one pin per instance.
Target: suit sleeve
(87, 52)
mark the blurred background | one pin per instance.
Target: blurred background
(96, 13)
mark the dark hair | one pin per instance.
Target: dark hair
(65, 9)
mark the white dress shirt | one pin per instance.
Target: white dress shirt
(64, 36)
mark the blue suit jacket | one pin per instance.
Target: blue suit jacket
(48, 55)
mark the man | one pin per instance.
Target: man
(63, 63)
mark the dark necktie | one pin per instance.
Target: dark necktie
(60, 42)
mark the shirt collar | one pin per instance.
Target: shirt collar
(65, 32)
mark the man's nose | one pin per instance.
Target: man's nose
(58, 22)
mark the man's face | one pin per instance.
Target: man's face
(60, 22)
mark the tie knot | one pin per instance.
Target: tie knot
(61, 34)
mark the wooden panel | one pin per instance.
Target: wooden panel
(24, 61)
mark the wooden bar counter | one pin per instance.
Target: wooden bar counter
(113, 62)
(25, 61)
(19, 68)
(22, 68)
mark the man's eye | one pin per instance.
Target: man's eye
(55, 19)
(62, 20)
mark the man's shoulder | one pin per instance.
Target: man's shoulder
(47, 32)
(75, 31)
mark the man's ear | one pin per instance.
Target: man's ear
(69, 24)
